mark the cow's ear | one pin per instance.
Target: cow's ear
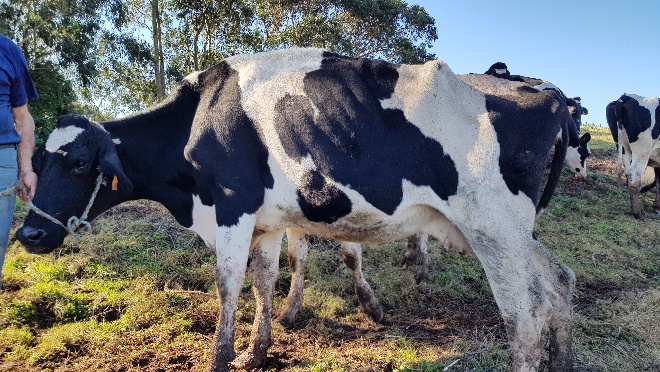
(585, 111)
(585, 138)
(111, 165)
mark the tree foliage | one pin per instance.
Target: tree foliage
(120, 55)
(59, 41)
(56, 97)
(212, 30)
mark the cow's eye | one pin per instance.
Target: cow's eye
(80, 164)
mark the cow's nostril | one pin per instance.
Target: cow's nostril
(32, 235)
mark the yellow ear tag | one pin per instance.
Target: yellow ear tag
(115, 182)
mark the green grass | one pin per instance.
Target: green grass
(138, 294)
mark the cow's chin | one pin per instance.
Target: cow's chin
(39, 249)
(39, 243)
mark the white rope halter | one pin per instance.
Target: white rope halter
(74, 222)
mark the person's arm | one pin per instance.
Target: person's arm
(25, 128)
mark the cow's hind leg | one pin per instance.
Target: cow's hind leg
(533, 291)
(297, 253)
(264, 267)
(560, 283)
(351, 253)
(656, 203)
(417, 255)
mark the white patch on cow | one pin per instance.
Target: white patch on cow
(192, 77)
(116, 141)
(500, 71)
(61, 137)
(480, 156)
(204, 224)
(546, 85)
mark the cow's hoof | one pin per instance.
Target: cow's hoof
(286, 321)
(248, 361)
(422, 277)
(373, 310)
(220, 362)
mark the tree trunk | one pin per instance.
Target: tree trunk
(159, 63)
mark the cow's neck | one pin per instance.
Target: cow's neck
(151, 147)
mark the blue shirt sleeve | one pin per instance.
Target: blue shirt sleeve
(22, 87)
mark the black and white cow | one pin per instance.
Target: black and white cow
(352, 149)
(635, 128)
(578, 150)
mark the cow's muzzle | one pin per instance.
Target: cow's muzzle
(36, 240)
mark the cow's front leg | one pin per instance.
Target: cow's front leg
(265, 265)
(635, 202)
(232, 249)
(297, 253)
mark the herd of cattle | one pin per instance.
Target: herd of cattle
(359, 150)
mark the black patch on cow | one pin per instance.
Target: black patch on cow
(322, 201)
(634, 118)
(357, 143)
(231, 156)
(523, 154)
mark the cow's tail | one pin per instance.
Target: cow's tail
(561, 146)
(618, 129)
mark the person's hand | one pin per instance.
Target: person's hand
(29, 179)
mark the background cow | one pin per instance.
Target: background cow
(633, 122)
(578, 150)
(352, 149)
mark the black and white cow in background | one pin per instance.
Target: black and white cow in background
(633, 122)
(578, 150)
(352, 149)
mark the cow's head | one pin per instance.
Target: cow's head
(577, 154)
(499, 69)
(68, 167)
(576, 110)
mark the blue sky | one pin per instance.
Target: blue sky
(595, 49)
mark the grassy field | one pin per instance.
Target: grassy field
(138, 294)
